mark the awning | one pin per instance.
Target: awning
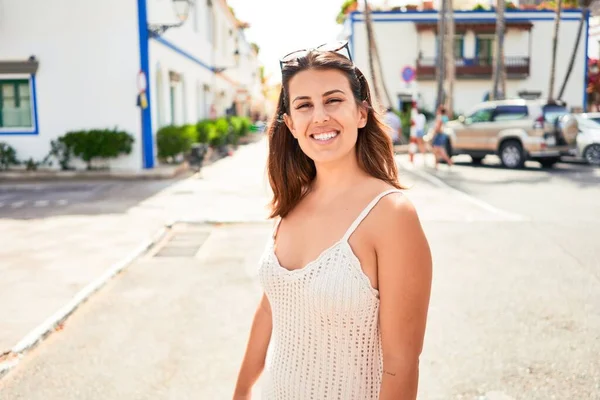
(19, 67)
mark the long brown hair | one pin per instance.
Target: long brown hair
(290, 171)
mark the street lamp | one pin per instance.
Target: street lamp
(182, 10)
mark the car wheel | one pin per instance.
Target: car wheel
(591, 154)
(476, 160)
(548, 162)
(511, 154)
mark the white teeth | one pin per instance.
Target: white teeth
(325, 136)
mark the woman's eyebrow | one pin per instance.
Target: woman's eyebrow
(329, 92)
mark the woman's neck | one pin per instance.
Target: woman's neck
(336, 177)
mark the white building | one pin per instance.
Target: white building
(80, 64)
(594, 38)
(407, 43)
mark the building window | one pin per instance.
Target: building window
(484, 49)
(459, 41)
(16, 109)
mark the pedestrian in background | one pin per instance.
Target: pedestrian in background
(347, 271)
(417, 132)
(440, 139)
(394, 123)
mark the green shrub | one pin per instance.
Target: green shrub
(62, 151)
(206, 129)
(173, 140)
(98, 143)
(8, 156)
(220, 137)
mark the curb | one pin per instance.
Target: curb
(158, 173)
(11, 359)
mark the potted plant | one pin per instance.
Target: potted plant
(428, 5)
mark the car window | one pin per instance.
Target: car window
(482, 115)
(510, 113)
(553, 112)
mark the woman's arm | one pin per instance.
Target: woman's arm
(404, 278)
(256, 351)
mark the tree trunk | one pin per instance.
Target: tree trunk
(440, 55)
(369, 26)
(584, 11)
(450, 61)
(498, 70)
(554, 46)
(375, 66)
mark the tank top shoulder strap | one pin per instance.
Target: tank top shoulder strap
(275, 228)
(366, 212)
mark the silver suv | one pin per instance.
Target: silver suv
(515, 130)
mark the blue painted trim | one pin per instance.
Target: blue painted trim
(470, 20)
(36, 126)
(182, 52)
(146, 113)
(585, 55)
(518, 11)
(35, 105)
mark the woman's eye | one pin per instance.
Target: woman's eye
(302, 106)
(334, 101)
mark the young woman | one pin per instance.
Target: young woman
(347, 273)
(440, 139)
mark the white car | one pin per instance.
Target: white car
(588, 137)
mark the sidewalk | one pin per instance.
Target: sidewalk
(48, 262)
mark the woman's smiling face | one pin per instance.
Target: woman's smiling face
(324, 116)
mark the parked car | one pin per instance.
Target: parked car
(587, 130)
(516, 130)
(592, 115)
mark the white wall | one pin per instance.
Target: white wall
(89, 61)
(594, 40)
(399, 45)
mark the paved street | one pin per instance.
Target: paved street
(515, 310)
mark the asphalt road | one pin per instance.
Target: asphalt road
(27, 200)
(515, 308)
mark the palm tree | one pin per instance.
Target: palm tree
(585, 4)
(554, 46)
(440, 56)
(450, 62)
(376, 74)
(499, 70)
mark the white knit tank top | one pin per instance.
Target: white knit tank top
(325, 342)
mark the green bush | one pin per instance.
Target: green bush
(220, 137)
(173, 140)
(8, 156)
(98, 143)
(206, 130)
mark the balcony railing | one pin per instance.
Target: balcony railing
(475, 68)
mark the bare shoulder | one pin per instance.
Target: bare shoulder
(397, 231)
(395, 211)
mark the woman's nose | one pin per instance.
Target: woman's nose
(320, 115)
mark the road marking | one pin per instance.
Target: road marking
(41, 203)
(62, 202)
(18, 204)
(472, 199)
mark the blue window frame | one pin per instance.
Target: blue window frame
(18, 106)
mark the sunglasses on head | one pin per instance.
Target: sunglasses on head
(340, 47)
